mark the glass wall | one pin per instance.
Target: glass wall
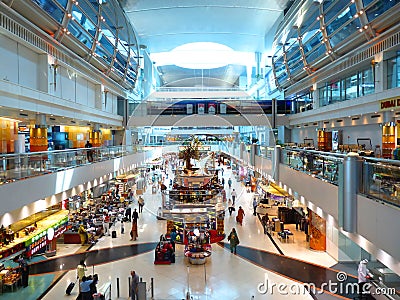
(341, 22)
(101, 27)
(393, 71)
(357, 85)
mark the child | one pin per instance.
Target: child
(122, 227)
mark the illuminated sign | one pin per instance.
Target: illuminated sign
(388, 104)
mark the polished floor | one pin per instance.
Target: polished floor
(255, 272)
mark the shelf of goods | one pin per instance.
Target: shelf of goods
(388, 140)
(324, 140)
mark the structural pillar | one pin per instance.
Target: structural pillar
(276, 160)
(351, 174)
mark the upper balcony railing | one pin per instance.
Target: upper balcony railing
(380, 177)
(19, 166)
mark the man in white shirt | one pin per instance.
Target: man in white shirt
(233, 195)
(362, 279)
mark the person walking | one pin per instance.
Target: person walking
(255, 204)
(233, 240)
(85, 288)
(82, 234)
(362, 279)
(122, 227)
(80, 272)
(240, 215)
(231, 207)
(233, 195)
(24, 267)
(135, 216)
(89, 152)
(141, 204)
(106, 223)
(172, 236)
(128, 213)
(230, 183)
(134, 230)
(134, 285)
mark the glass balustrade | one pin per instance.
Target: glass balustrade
(19, 166)
(322, 165)
(381, 180)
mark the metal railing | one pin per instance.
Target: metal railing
(19, 166)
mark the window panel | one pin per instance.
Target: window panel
(63, 3)
(323, 96)
(296, 68)
(379, 8)
(345, 32)
(88, 9)
(341, 19)
(367, 2)
(310, 21)
(318, 52)
(295, 58)
(103, 54)
(282, 78)
(352, 87)
(51, 8)
(82, 19)
(336, 91)
(332, 11)
(367, 82)
(76, 30)
(313, 42)
(279, 67)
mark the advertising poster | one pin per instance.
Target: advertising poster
(211, 108)
(189, 109)
(201, 108)
(222, 108)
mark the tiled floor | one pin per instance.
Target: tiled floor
(224, 276)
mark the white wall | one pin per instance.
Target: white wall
(378, 223)
(33, 71)
(8, 61)
(372, 131)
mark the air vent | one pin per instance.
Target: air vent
(355, 118)
(53, 119)
(326, 122)
(315, 124)
(23, 115)
(305, 125)
(73, 122)
(339, 121)
(375, 116)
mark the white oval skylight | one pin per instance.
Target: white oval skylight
(203, 55)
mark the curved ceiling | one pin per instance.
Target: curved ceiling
(243, 25)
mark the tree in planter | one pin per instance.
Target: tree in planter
(190, 151)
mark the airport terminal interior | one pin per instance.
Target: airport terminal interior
(199, 149)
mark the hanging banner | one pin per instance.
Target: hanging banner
(201, 107)
(211, 108)
(222, 108)
(189, 108)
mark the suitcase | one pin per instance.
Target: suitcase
(113, 234)
(70, 288)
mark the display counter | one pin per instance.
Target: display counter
(197, 254)
(34, 237)
(10, 279)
